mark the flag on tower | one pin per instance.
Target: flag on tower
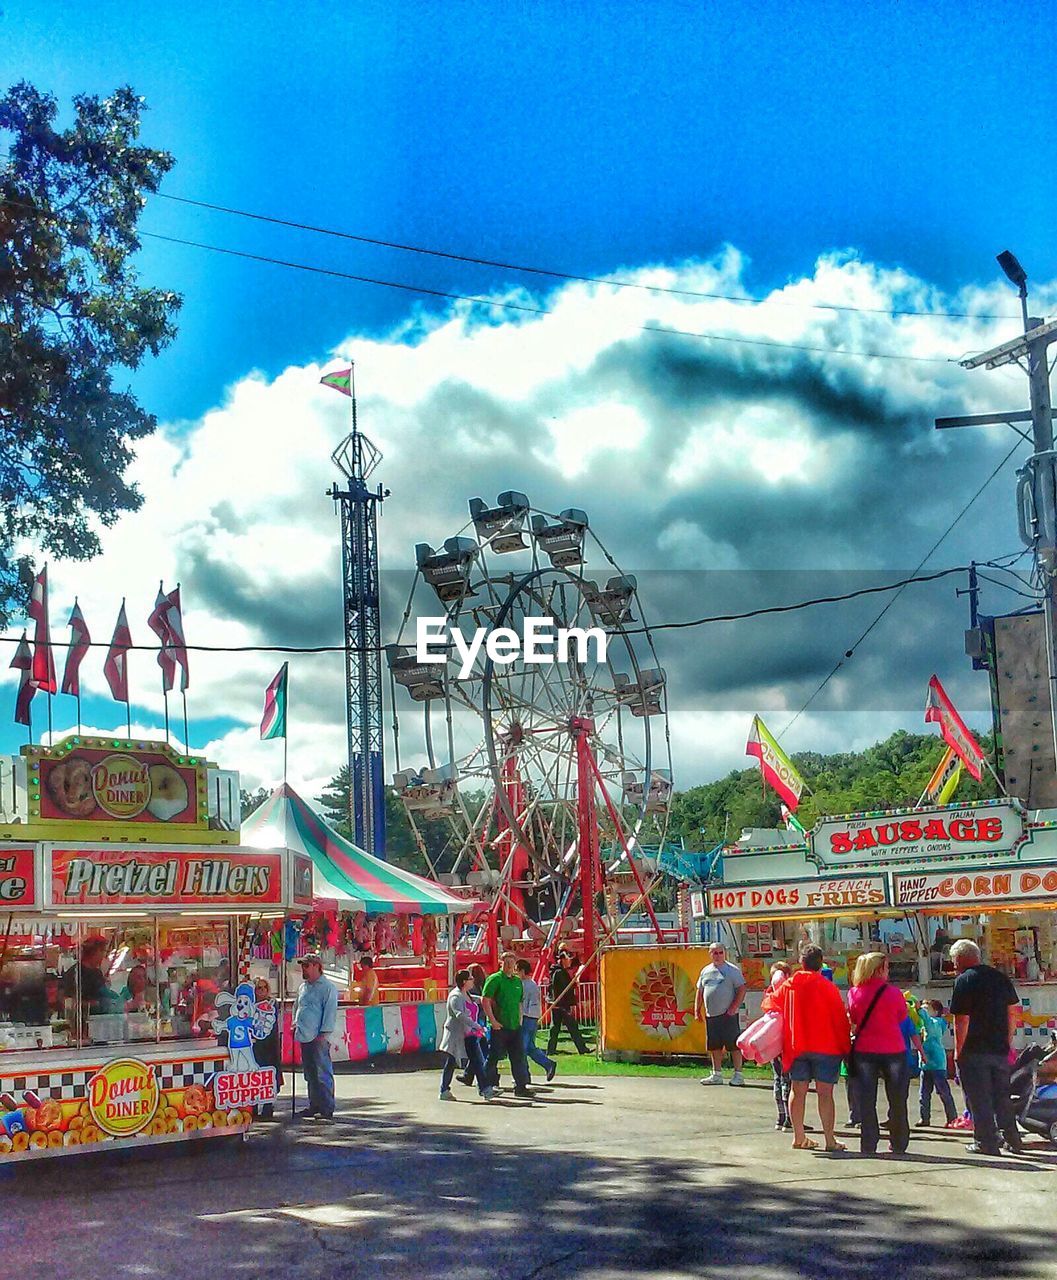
(43, 673)
(273, 722)
(340, 380)
(940, 710)
(23, 663)
(777, 769)
(80, 641)
(115, 668)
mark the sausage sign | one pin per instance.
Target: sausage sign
(800, 897)
(968, 831)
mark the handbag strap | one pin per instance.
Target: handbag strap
(870, 1008)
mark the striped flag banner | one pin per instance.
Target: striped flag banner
(777, 769)
(940, 710)
(273, 722)
(944, 781)
(340, 380)
(43, 674)
(80, 642)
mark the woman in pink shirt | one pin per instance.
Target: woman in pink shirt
(877, 1011)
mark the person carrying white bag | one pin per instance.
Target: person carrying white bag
(762, 1042)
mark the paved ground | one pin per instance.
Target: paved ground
(599, 1178)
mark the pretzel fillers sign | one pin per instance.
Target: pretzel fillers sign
(111, 876)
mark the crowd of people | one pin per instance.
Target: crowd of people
(882, 1036)
(493, 1017)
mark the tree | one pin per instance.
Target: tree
(251, 801)
(71, 314)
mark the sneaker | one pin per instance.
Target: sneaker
(978, 1150)
(715, 1078)
(488, 1094)
(306, 1115)
(923, 1124)
(550, 1071)
(787, 1126)
(780, 1125)
(737, 1079)
(446, 1095)
(523, 1093)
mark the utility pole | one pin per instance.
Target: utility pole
(1037, 479)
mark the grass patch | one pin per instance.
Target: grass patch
(586, 1064)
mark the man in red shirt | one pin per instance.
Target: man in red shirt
(816, 1038)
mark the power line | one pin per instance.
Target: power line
(850, 652)
(658, 626)
(477, 300)
(533, 310)
(554, 274)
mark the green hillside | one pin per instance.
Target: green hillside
(888, 775)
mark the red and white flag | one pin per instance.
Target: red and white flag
(940, 710)
(23, 662)
(80, 642)
(43, 673)
(167, 624)
(115, 668)
(160, 626)
(778, 770)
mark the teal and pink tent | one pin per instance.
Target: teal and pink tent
(342, 873)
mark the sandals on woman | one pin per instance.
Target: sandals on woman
(809, 1144)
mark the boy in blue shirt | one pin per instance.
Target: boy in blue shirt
(934, 1062)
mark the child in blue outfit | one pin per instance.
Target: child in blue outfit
(934, 1062)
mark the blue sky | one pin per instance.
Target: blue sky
(594, 139)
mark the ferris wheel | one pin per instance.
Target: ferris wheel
(550, 770)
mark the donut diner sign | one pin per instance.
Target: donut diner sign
(987, 829)
(87, 782)
(119, 876)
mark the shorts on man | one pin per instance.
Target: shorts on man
(824, 1068)
(722, 1030)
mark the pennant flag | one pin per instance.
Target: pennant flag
(23, 662)
(940, 710)
(159, 625)
(340, 380)
(776, 767)
(944, 781)
(273, 722)
(177, 643)
(43, 674)
(115, 668)
(80, 641)
(792, 823)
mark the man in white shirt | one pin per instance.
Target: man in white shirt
(720, 991)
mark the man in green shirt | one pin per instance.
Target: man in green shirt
(501, 1001)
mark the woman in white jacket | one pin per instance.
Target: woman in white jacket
(460, 1039)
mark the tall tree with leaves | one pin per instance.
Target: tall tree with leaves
(72, 313)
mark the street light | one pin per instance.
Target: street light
(1016, 275)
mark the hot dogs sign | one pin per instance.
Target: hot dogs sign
(85, 783)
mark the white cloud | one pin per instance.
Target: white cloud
(686, 455)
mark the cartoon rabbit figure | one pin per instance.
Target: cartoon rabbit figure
(246, 1022)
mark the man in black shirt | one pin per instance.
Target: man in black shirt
(983, 1005)
(563, 1002)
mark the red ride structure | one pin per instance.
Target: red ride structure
(535, 783)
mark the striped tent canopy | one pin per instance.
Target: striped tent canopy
(351, 878)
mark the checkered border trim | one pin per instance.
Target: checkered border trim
(70, 1086)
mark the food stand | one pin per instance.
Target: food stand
(128, 916)
(908, 882)
(363, 906)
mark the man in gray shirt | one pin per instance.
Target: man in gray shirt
(720, 991)
(315, 1015)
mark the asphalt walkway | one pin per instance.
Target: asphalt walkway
(599, 1177)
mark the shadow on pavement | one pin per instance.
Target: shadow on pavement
(384, 1193)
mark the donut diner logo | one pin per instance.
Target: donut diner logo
(662, 1000)
(123, 1097)
(121, 785)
